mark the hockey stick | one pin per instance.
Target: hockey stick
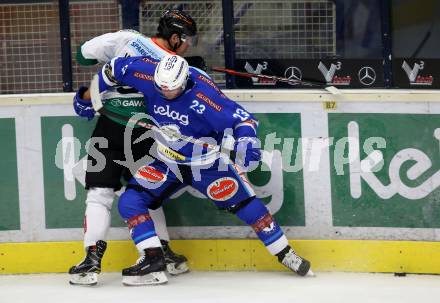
(331, 89)
(99, 107)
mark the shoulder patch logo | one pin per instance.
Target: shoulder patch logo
(212, 84)
(143, 76)
(209, 102)
(148, 60)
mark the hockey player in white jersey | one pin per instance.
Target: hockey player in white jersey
(176, 33)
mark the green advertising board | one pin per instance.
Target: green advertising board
(9, 196)
(387, 173)
(65, 206)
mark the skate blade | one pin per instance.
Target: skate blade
(88, 279)
(180, 269)
(310, 273)
(153, 278)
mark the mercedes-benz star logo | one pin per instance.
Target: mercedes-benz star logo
(367, 75)
(293, 73)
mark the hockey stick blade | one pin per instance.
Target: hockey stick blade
(95, 94)
(307, 82)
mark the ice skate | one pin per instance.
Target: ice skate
(148, 270)
(86, 272)
(176, 264)
(291, 260)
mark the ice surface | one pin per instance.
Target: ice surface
(227, 287)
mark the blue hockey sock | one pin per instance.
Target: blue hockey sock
(141, 228)
(267, 229)
(133, 207)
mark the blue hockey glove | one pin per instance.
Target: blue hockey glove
(83, 108)
(247, 150)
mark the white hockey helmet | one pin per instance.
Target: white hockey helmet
(171, 76)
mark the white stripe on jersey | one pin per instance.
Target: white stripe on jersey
(249, 123)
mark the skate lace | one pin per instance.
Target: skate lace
(292, 260)
(140, 259)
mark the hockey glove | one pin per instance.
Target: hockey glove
(247, 150)
(83, 108)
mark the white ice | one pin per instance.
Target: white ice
(227, 287)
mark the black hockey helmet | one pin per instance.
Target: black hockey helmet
(177, 22)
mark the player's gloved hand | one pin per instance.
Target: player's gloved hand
(83, 108)
(247, 150)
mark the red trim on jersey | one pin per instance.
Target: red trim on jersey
(154, 39)
(136, 220)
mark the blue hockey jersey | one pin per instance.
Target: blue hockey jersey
(201, 112)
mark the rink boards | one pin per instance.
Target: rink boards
(353, 178)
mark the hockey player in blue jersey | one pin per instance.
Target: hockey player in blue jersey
(184, 101)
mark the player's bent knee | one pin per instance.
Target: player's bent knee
(249, 210)
(131, 203)
(124, 203)
(236, 207)
(102, 196)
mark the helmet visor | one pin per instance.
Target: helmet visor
(191, 40)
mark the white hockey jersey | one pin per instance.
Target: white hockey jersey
(124, 43)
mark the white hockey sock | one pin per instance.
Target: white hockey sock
(97, 216)
(148, 243)
(278, 245)
(160, 223)
(97, 222)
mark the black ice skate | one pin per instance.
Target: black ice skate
(148, 270)
(86, 272)
(176, 264)
(291, 260)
